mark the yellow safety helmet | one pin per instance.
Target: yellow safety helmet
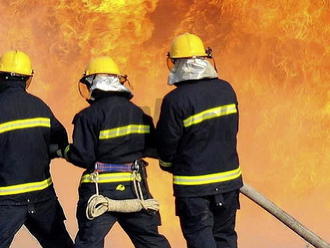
(16, 62)
(104, 65)
(186, 46)
(99, 65)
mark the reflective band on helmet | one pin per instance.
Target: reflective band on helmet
(207, 179)
(108, 177)
(165, 164)
(24, 123)
(26, 187)
(209, 114)
(123, 131)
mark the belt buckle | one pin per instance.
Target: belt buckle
(135, 166)
(95, 176)
(139, 164)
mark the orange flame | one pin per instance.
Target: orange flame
(275, 53)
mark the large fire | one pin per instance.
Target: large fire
(275, 53)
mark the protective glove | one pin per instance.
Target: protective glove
(55, 151)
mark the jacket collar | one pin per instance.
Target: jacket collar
(98, 95)
(12, 85)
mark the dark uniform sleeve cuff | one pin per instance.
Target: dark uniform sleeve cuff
(66, 151)
(166, 166)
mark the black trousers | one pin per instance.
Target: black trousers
(209, 221)
(141, 227)
(45, 221)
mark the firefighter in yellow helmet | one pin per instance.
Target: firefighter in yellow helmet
(27, 129)
(196, 136)
(110, 138)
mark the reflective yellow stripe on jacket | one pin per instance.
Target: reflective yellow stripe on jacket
(24, 123)
(25, 187)
(108, 177)
(210, 113)
(123, 131)
(207, 179)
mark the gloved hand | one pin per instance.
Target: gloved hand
(55, 151)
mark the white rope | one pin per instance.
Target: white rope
(99, 204)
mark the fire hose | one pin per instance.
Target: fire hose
(284, 217)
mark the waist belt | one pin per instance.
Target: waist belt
(117, 173)
(105, 167)
(107, 177)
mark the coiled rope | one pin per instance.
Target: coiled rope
(99, 204)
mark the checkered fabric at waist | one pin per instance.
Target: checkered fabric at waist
(108, 167)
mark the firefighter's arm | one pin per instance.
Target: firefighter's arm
(82, 151)
(151, 149)
(169, 132)
(58, 138)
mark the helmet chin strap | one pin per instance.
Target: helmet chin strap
(90, 98)
(209, 52)
(215, 65)
(28, 82)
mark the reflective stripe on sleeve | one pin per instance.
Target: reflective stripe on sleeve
(207, 179)
(24, 123)
(108, 177)
(66, 151)
(25, 187)
(123, 131)
(165, 164)
(210, 114)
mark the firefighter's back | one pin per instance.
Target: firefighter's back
(24, 137)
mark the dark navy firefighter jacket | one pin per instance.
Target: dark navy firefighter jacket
(27, 128)
(112, 130)
(196, 137)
